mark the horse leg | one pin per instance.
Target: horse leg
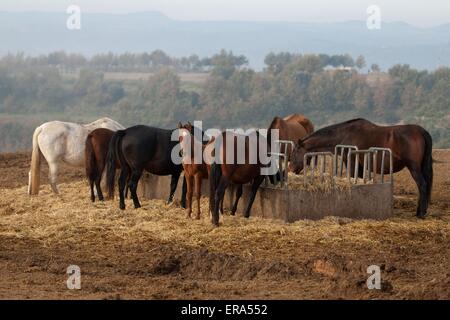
(198, 193)
(52, 174)
(135, 176)
(122, 185)
(101, 181)
(91, 185)
(421, 183)
(173, 186)
(190, 187)
(99, 188)
(238, 196)
(360, 171)
(220, 192)
(255, 185)
(183, 193)
(127, 188)
(220, 209)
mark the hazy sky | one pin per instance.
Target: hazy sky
(417, 12)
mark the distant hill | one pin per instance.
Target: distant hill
(37, 32)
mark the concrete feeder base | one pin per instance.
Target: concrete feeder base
(371, 201)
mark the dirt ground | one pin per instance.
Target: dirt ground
(156, 253)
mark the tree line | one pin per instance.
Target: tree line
(113, 62)
(326, 88)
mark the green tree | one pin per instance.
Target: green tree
(360, 62)
(225, 63)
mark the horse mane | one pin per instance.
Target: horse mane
(331, 129)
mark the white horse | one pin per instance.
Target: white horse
(61, 141)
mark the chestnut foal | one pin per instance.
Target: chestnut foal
(193, 172)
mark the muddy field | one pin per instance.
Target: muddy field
(156, 253)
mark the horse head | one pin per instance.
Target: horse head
(296, 164)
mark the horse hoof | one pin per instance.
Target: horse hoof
(197, 217)
(420, 216)
(122, 207)
(137, 206)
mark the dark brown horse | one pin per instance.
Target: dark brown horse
(223, 171)
(411, 147)
(96, 150)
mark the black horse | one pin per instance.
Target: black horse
(142, 148)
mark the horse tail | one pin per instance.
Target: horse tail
(90, 160)
(214, 180)
(35, 170)
(114, 154)
(427, 163)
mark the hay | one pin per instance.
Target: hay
(325, 183)
(118, 249)
(72, 219)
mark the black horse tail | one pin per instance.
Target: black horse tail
(114, 154)
(427, 163)
(214, 180)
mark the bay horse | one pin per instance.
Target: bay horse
(60, 141)
(411, 147)
(96, 150)
(140, 148)
(291, 128)
(223, 171)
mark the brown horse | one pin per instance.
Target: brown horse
(193, 172)
(291, 128)
(97, 143)
(411, 147)
(223, 171)
(301, 119)
(196, 172)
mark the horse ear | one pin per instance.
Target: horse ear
(189, 123)
(180, 125)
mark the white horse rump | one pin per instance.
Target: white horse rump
(60, 141)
